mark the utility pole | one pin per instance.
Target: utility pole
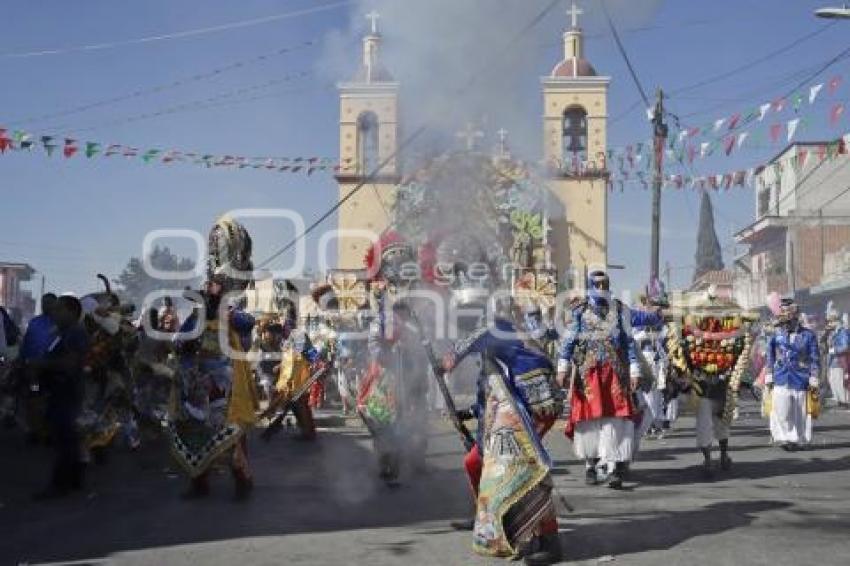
(660, 140)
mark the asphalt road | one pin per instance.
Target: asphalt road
(322, 504)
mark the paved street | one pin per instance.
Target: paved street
(321, 504)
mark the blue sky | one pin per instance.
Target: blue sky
(73, 218)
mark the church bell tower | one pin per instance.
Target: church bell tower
(575, 115)
(368, 136)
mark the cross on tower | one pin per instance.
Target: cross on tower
(503, 141)
(470, 135)
(574, 12)
(374, 16)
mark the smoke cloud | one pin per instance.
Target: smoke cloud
(465, 60)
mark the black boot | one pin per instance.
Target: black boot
(725, 460)
(706, 465)
(463, 524)
(548, 551)
(617, 476)
(198, 489)
(590, 477)
(389, 469)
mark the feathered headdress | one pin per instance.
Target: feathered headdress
(389, 239)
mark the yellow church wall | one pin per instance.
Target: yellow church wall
(382, 99)
(361, 221)
(584, 200)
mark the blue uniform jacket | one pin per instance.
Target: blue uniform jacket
(622, 337)
(502, 343)
(839, 344)
(793, 358)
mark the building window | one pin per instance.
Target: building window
(367, 142)
(764, 202)
(574, 136)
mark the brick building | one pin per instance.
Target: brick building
(800, 241)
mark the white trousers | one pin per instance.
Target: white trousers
(838, 385)
(789, 419)
(672, 412)
(610, 439)
(710, 426)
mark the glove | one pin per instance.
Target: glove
(813, 382)
(464, 415)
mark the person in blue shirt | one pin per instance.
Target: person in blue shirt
(793, 365)
(838, 361)
(529, 375)
(40, 332)
(60, 373)
(598, 352)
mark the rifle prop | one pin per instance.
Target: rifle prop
(277, 422)
(440, 375)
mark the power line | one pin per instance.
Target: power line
(623, 53)
(843, 54)
(179, 34)
(165, 86)
(193, 104)
(753, 63)
(737, 70)
(404, 144)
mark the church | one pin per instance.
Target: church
(571, 168)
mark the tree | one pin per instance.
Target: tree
(709, 256)
(135, 283)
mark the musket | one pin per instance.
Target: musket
(440, 375)
(277, 422)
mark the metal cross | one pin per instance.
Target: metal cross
(574, 12)
(503, 141)
(374, 16)
(470, 135)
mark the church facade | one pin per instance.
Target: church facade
(573, 126)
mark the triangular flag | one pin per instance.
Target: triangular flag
(834, 83)
(813, 92)
(149, 155)
(738, 178)
(719, 123)
(729, 144)
(803, 155)
(792, 128)
(741, 137)
(778, 105)
(836, 113)
(763, 110)
(733, 121)
(92, 149)
(748, 179)
(49, 146)
(650, 114)
(775, 132)
(5, 143)
(821, 151)
(798, 101)
(682, 135)
(692, 153)
(70, 148)
(713, 181)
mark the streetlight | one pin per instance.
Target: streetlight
(834, 13)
